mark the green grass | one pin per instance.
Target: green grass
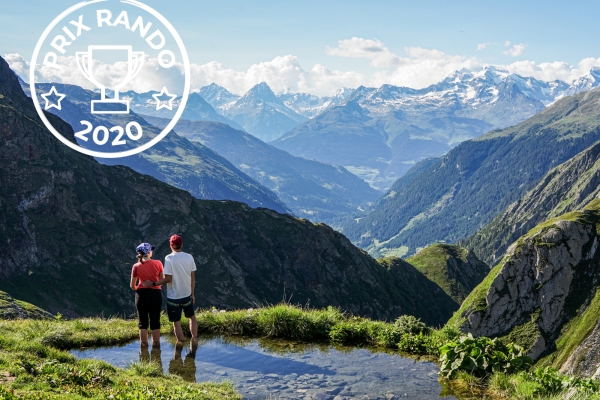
(448, 266)
(34, 362)
(36, 365)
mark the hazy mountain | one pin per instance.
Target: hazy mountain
(174, 160)
(67, 219)
(313, 190)
(217, 96)
(467, 188)
(196, 108)
(263, 114)
(379, 134)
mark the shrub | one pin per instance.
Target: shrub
(419, 344)
(481, 357)
(411, 325)
(354, 330)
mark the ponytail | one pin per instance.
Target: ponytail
(140, 257)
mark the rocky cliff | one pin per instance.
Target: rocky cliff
(543, 294)
(69, 227)
(455, 269)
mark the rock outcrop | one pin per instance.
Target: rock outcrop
(547, 278)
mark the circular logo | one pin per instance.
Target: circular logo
(116, 71)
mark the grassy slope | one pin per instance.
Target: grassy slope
(11, 308)
(449, 267)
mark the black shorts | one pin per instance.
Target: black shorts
(174, 307)
(148, 303)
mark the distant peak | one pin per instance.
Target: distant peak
(261, 91)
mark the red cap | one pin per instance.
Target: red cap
(176, 241)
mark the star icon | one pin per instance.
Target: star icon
(162, 103)
(51, 102)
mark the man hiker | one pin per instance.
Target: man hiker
(179, 269)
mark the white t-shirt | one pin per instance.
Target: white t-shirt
(180, 266)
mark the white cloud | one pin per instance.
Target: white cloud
(482, 46)
(549, 71)
(507, 43)
(516, 50)
(416, 68)
(282, 74)
(423, 67)
(371, 49)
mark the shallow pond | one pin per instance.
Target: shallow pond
(275, 369)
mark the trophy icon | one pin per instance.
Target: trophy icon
(87, 65)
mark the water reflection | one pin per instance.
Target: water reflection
(186, 366)
(266, 368)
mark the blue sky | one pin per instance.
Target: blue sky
(240, 34)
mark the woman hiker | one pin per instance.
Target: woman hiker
(148, 300)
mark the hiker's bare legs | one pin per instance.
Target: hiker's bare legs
(194, 328)
(156, 338)
(178, 332)
(144, 337)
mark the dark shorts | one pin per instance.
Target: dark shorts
(175, 306)
(148, 303)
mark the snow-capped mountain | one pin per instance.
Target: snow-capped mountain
(404, 125)
(399, 126)
(263, 114)
(310, 105)
(584, 82)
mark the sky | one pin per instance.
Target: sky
(321, 46)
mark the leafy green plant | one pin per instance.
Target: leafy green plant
(481, 357)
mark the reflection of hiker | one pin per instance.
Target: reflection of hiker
(151, 357)
(148, 298)
(180, 280)
(184, 368)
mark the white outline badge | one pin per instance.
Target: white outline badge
(115, 105)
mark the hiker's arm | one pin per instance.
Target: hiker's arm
(165, 279)
(193, 274)
(132, 282)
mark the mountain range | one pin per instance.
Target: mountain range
(379, 134)
(263, 114)
(312, 190)
(451, 197)
(69, 226)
